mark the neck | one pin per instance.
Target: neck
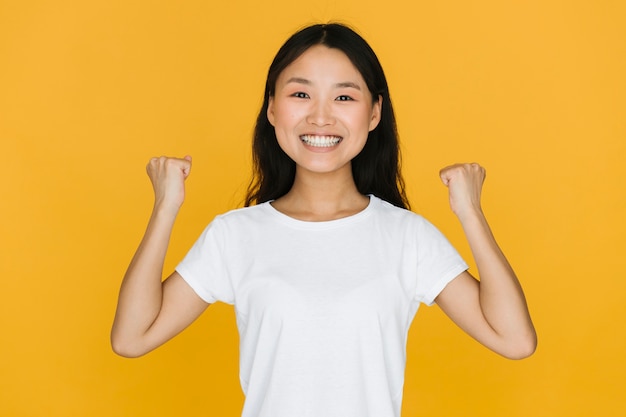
(322, 197)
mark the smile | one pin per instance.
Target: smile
(320, 141)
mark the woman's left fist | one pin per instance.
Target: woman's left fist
(465, 183)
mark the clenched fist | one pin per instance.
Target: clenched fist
(168, 180)
(464, 182)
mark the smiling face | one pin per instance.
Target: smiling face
(322, 111)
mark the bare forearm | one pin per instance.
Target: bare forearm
(501, 297)
(493, 310)
(141, 291)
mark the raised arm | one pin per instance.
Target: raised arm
(492, 310)
(150, 312)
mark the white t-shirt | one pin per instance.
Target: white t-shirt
(323, 308)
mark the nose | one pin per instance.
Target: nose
(320, 114)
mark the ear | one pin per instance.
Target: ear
(270, 110)
(376, 113)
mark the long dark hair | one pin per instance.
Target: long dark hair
(376, 169)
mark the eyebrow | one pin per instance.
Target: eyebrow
(345, 84)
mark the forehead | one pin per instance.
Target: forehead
(319, 63)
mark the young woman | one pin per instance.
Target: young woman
(326, 266)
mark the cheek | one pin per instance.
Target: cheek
(284, 125)
(278, 113)
(362, 119)
(283, 117)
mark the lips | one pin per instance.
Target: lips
(320, 141)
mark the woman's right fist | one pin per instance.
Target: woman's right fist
(168, 180)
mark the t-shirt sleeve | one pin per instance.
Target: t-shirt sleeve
(204, 267)
(438, 263)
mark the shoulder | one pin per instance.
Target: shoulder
(406, 221)
(244, 214)
(388, 211)
(237, 221)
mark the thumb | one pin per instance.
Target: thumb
(187, 167)
(444, 175)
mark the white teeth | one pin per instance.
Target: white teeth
(320, 141)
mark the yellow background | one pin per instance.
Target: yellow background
(90, 90)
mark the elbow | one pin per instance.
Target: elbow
(125, 348)
(125, 352)
(522, 348)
